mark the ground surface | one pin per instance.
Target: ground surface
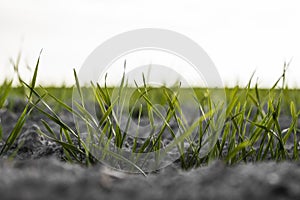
(38, 172)
(51, 179)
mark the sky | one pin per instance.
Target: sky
(239, 36)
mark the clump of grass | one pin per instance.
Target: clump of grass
(250, 131)
(26, 112)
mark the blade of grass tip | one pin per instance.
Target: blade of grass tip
(103, 97)
(106, 91)
(78, 87)
(257, 95)
(100, 100)
(256, 101)
(122, 80)
(144, 82)
(250, 80)
(33, 80)
(16, 65)
(281, 77)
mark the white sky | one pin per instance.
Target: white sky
(239, 36)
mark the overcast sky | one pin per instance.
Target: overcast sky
(239, 36)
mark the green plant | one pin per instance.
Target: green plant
(251, 131)
(26, 112)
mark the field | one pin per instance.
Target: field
(145, 142)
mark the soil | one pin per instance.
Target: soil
(38, 171)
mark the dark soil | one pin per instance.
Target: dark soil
(38, 171)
